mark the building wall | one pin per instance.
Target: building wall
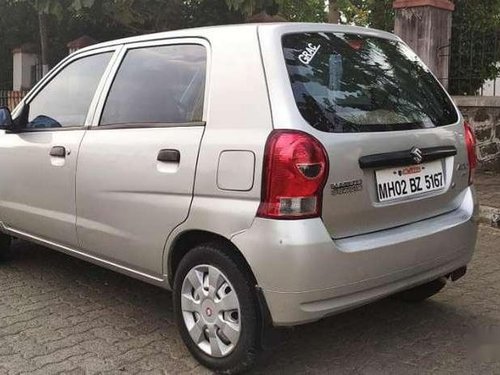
(17, 72)
(23, 73)
(483, 113)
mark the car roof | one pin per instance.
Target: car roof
(232, 31)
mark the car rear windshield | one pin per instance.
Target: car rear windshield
(356, 83)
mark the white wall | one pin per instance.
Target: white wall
(491, 87)
(22, 70)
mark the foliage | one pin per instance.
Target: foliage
(374, 13)
(145, 16)
(292, 10)
(17, 26)
(249, 7)
(110, 19)
(209, 12)
(474, 45)
(381, 15)
(378, 14)
(303, 10)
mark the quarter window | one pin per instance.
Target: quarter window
(65, 100)
(158, 85)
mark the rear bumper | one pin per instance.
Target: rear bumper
(305, 275)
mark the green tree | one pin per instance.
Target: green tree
(145, 16)
(381, 15)
(304, 11)
(46, 9)
(18, 24)
(374, 13)
(209, 12)
(52, 23)
(291, 10)
(474, 45)
(378, 14)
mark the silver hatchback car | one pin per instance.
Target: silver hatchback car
(270, 175)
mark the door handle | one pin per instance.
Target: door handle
(58, 151)
(169, 156)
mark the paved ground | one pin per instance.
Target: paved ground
(488, 189)
(59, 314)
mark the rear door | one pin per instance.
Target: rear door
(393, 136)
(137, 164)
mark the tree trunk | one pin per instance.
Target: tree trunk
(263, 16)
(44, 41)
(333, 12)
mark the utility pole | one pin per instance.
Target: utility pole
(44, 38)
(433, 19)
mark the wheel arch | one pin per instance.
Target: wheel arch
(188, 240)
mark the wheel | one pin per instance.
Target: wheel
(216, 310)
(5, 242)
(422, 292)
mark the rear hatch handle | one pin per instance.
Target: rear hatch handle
(412, 156)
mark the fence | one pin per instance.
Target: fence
(475, 62)
(10, 98)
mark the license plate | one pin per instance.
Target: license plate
(394, 183)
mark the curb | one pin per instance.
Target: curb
(490, 215)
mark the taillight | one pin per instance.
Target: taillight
(470, 142)
(294, 175)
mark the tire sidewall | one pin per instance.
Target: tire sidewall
(244, 353)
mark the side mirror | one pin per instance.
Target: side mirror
(5, 118)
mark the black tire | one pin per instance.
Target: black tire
(247, 349)
(422, 292)
(5, 242)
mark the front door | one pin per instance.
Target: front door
(38, 161)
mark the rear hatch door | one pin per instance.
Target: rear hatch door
(393, 136)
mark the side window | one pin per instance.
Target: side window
(65, 100)
(158, 85)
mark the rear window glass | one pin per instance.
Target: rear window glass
(354, 83)
(158, 85)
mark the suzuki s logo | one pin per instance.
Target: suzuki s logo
(416, 155)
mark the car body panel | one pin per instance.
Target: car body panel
(37, 191)
(126, 212)
(306, 275)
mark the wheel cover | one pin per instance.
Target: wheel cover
(211, 310)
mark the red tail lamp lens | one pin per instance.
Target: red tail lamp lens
(294, 175)
(470, 142)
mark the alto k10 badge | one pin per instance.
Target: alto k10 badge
(346, 187)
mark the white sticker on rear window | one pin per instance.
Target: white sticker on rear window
(308, 54)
